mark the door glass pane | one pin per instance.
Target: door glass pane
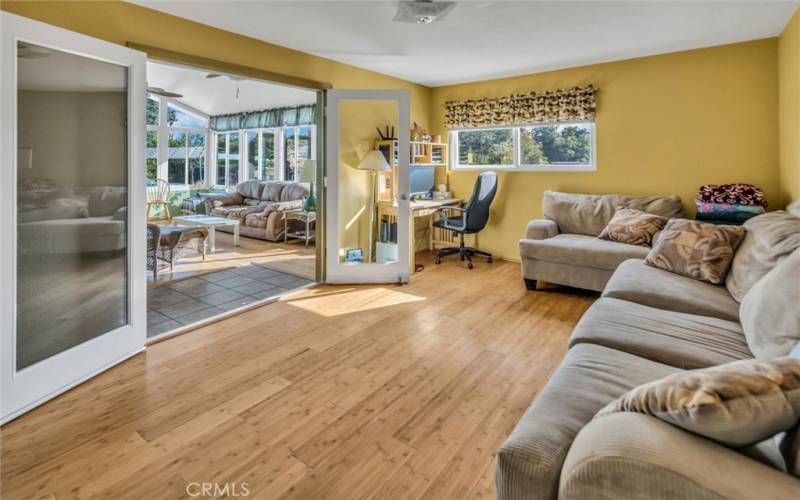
(233, 160)
(268, 156)
(289, 160)
(222, 154)
(364, 176)
(197, 157)
(72, 197)
(252, 155)
(303, 143)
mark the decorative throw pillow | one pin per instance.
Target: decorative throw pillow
(770, 312)
(632, 226)
(696, 249)
(737, 404)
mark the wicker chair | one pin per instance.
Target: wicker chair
(158, 196)
(167, 243)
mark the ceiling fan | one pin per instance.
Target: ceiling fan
(163, 93)
(422, 11)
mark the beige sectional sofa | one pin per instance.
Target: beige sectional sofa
(563, 248)
(647, 324)
(259, 207)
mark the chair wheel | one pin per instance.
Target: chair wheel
(489, 260)
(437, 260)
(470, 265)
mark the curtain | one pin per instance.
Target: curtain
(277, 117)
(578, 103)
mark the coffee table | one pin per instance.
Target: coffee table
(211, 223)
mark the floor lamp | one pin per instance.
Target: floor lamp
(374, 162)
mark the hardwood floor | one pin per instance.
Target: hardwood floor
(334, 392)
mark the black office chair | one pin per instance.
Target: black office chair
(471, 219)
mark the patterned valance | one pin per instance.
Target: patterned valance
(276, 117)
(531, 107)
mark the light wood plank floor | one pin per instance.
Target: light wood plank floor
(334, 392)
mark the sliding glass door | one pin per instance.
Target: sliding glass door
(72, 252)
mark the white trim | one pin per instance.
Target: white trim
(349, 272)
(21, 390)
(518, 166)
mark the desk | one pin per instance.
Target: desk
(420, 208)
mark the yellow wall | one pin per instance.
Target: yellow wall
(665, 124)
(789, 108)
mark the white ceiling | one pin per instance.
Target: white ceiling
(217, 96)
(481, 40)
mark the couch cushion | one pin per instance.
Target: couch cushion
(635, 281)
(294, 191)
(250, 189)
(771, 310)
(272, 190)
(770, 238)
(529, 462)
(589, 214)
(696, 249)
(231, 211)
(581, 250)
(678, 339)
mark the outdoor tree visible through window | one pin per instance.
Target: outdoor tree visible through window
(486, 147)
(555, 145)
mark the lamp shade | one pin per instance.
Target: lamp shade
(308, 173)
(374, 161)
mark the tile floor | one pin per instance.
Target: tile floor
(194, 299)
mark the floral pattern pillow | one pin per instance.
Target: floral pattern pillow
(633, 226)
(696, 249)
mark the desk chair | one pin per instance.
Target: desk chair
(471, 219)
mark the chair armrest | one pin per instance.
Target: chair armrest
(443, 215)
(541, 229)
(634, 456)
(221, 200)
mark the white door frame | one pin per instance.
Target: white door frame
(25, 389)
(352, 272)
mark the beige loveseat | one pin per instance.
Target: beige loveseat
(647, 324)
(259, 207)
(563, 248)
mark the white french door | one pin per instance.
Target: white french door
(361, 246)
(72, 252)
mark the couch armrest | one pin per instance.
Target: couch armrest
(221, 200)
(541, 229)
(634, 456)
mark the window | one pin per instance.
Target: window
(227, 159)
(297, 146)
(176, 143)
(151, 155)
(260, 154)
(186, 155)
(543, 147)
